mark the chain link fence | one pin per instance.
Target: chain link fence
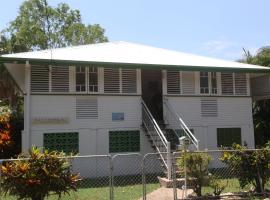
(195, 175)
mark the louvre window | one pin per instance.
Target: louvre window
(60, 79)
(40, 79)
(227, 83)
(226, 137)
(86, 108)
(66, 142)
(240, 84)
(173, 82)
(129, 81)
(124, 141)
(111, 80)
(209, 108)
(188, 83)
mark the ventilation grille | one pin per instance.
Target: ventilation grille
(188, 82)
(240, 84)
(40, 79)
(173, 82)
(60, 79)
(227, 83)
(209, 108)
(111, 80)
(86, 108)
(129, 80)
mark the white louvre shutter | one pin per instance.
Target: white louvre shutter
(60, 79)
(111, 80)
(86, 108)
(129, 80)
(227, 83)
(173, 82)
(209, 108)
(188, 82)
(39, 78)
(240, 83)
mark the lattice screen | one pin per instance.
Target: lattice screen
(66, 142)
(124, 141)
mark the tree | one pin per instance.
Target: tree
(40, 26)
(261, 108)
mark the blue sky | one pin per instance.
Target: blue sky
(215, 28)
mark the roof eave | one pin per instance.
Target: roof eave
(36, 61)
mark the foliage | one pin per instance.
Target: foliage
(217, 184)
(261, 108)
(196, 168)
(39, 175)
(41, 26)
(5, 128)
(251, 167)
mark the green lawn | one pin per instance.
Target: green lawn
(132, 192)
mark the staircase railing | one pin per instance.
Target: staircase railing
(175, 120)
(160, 142)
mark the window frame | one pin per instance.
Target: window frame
(210, 83)
(87, 80)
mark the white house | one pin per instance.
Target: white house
(88, 98)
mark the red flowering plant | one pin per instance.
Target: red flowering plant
(5, 128)
(38, 175)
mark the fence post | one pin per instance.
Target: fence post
(174, 177)
(143, 177)
(111, 178)
(1, 178)
(169, 160)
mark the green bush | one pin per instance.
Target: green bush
(38, 176)
(250, 167)
(196, 168)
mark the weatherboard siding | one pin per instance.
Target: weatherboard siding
(231, 112)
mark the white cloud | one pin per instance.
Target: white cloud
(218, 45)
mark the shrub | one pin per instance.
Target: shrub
(196, 169)
(251, 167)
(39, 175)
(5, 128)
(217, 184)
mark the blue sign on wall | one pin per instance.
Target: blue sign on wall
(118, 116)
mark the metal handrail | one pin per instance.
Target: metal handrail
(182, 124)
(155, 123)
(157, 132)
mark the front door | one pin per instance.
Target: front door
(152, 92)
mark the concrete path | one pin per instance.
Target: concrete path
(165, 194)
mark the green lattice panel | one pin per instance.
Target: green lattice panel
(227, 136)
(124, 141)
(66, 142)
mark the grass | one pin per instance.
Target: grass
(131, 192)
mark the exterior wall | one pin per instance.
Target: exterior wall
(232, 112)
(93, 132)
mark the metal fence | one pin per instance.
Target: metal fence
(143, 177)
